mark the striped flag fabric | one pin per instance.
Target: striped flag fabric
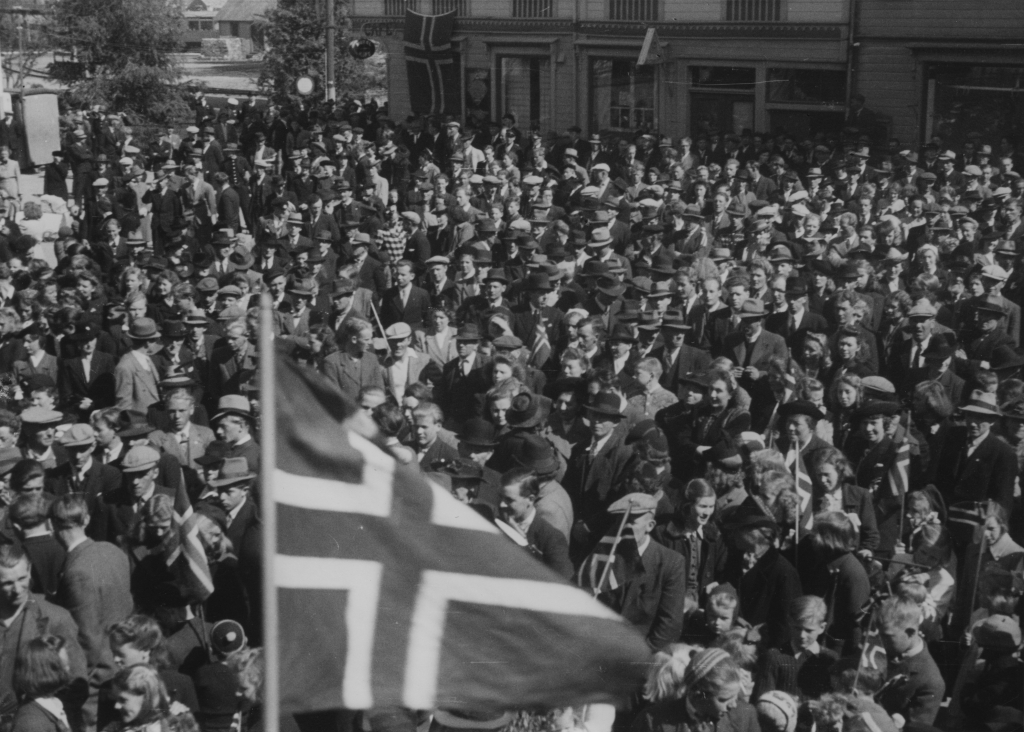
(430, 63)
(392, 593)
(804, 490)
(183, 553)
(899, 472)
(540, 346)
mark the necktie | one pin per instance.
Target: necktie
(465, 368)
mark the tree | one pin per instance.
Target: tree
(125, 48)
(296, 39)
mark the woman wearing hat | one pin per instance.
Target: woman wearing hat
(718, 420)
(707, 699)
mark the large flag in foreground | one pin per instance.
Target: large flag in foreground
(430, 63)
(390, 592)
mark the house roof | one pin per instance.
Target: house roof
(244, 10)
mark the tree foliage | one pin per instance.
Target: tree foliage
(124, 48)
(296, 38)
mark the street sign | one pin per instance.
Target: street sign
(651, 52)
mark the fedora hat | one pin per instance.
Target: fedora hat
(233, 404)
(528, 410)
(600, 237)
(133, 423)
(752, 308)
(606, 404)
(537, 454)
(795, 287)
(801, 406)
(78, 435)
(537, 282)
(468, 332)
(85, 330)
(143, 329)
(674, 320)
(659, 290)
(982, 403)
(621, 333)
(1004, 358)
(234, 470)
(610, 286)
(478, 432)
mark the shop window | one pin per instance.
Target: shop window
(721, 99)
(807, 86)
(988, 100)
(621, 94)
(723, 78)
(525, 90)
(398, 7)
(633, 9)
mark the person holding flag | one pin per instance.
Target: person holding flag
(874, 457)
(801, 448)
(640, 579)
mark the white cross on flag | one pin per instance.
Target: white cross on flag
(390, 592)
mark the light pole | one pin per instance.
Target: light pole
(332, 92)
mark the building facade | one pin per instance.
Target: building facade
(941, 67)
(728, 65)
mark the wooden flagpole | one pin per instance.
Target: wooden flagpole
(268, 407)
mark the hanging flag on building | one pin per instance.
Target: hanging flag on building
(651, 53)
(430, 63)
(392, 593)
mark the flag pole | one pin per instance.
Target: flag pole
(268, 407)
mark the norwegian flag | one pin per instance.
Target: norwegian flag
(899, 472)
(391, 593)
(430, 63)
(540, 346)
(183, 553)
(804, 490)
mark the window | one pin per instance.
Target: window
(398, 7)
(533, 8)
(970, 98)
(206, 25)
(193, 25)
(633, 9)
(721, 99)
(754, 11)
(621, 94)
(234, 29)
(525, 90)
(807, 86)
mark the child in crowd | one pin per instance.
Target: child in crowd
(802, 667)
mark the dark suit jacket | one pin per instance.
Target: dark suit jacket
(765, 594)
(99, 387)
(229, 205)
(593, 484)
(100, 480)
(456, 392)
(778, 323)
(414, 313)
(652, 601)
(95, 590)
(227, 375)
(689, 359)
(767, 347)
(120, 507)
(989, 472)
(551, 545)
(439, 450)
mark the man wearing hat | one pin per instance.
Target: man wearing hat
(993, 277)
(86, 381)
(135, 376)
(404, 365)
(86, 474)
(650, 579)
(677, 358)
(752, 349)
(535, 323)
(229, 206)
(233, 426)
(168, 213)
(462, 378)
(597, 468)
(80, 159)
(907, 361)
(140, 466)
(354, 366)
(987, 333)
(441, 289)
(976, 465)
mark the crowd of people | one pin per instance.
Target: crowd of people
(759, 395)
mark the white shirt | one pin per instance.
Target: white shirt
(55, 707)
(399, 372)
(974, 445)
(233, 513)
(599, 445)
(404, 294)
(466, 364)
(86, 366)
(917, 352)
